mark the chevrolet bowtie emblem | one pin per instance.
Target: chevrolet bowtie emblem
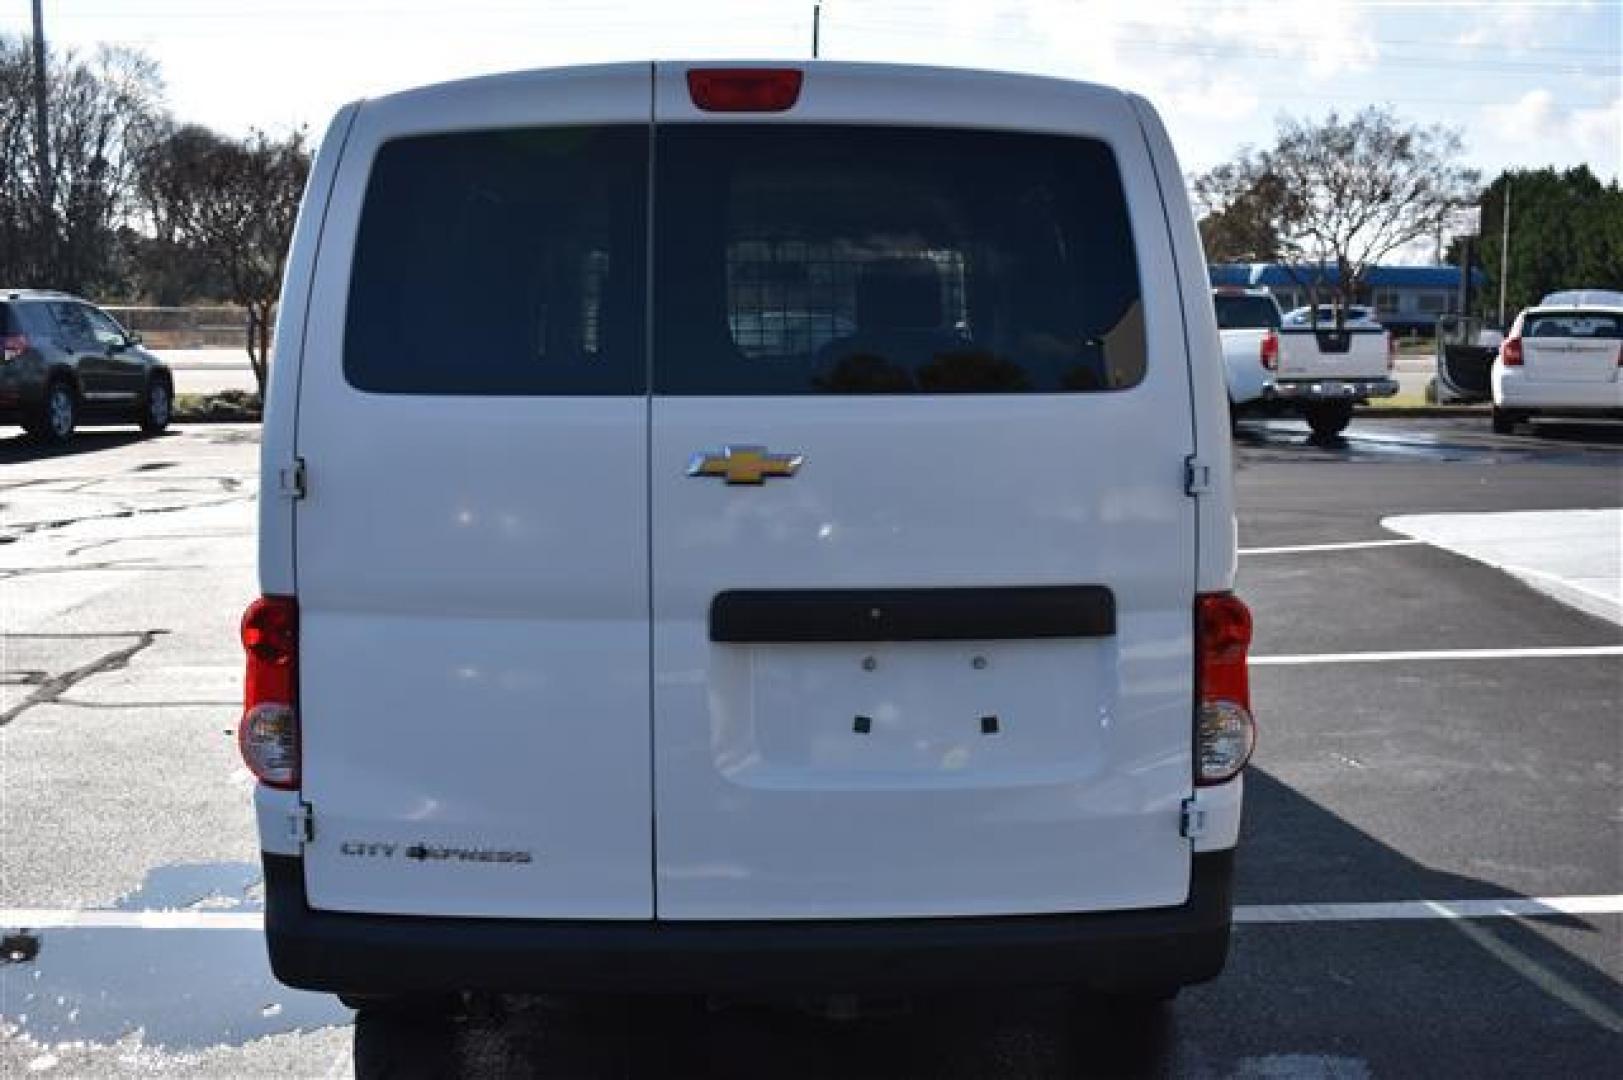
(744, 464)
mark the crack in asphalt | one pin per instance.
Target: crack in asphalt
(53, 688)
(62, 523)
(70, 635)
(78, 703)
(126, 479)
(75, 552)
(142, 563)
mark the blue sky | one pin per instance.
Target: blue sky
(1530, 84)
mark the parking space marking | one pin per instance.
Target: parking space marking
(75, 919)
(1542, 977)
(1437, 654)
(1351, 545)
(1505, 907)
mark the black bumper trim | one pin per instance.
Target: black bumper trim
(395, 954)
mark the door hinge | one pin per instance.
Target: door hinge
(301, 824)
(290, 480)
(1192, 823)
(1197, 476)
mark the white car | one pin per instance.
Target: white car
(611, 644)
(1357, 316)
(1583, 298)
(1559, 360)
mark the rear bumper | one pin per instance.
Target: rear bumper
(1331, 389)
(1514, 390)
(391, 954)
(19, 393)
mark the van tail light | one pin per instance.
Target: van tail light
(1511, 351)
(12, 346)
(1391, 351)
(1225, 733)
(268, 735)
(1270, 351)
(744, 89)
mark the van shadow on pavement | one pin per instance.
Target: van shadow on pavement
(1341, 999)
(1317, 1000)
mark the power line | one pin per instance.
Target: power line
(587, 14)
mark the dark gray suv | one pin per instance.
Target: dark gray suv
(63, 359)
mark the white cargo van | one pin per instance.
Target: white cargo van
(746, 529)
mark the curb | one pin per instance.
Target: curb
(1423, 411)
(217, 418)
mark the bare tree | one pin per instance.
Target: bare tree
(105, 111)
(1346, 193)
(233, 204)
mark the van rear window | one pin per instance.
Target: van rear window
(810, 259)
(502, 262)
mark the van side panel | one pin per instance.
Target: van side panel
(1218, 533)
(1219, 528)
(276, 564)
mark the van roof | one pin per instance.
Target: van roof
(1012, 83)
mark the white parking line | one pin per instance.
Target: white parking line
(1353, 545)
(1596, 1011)
(75, 919)
(1436, 654)
(1506, 907)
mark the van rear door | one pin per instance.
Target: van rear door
(471, 551)
(923, 562)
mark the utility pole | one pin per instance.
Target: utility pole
(1504, 253)
(1465, 276)
(42, 138)
(817, 26)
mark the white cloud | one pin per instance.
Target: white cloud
(1598, 134)
(1537, 129)
(1530, 117)
(1510, 27)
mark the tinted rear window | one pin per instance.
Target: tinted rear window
(7, 326)
(1246, 313)
(502, 262)
(815, 259)
(1574, 324)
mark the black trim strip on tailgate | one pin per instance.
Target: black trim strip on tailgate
(784, 616)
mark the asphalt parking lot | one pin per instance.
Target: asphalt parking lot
(1388, 798)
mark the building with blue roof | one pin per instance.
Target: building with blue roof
(1407, 299)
